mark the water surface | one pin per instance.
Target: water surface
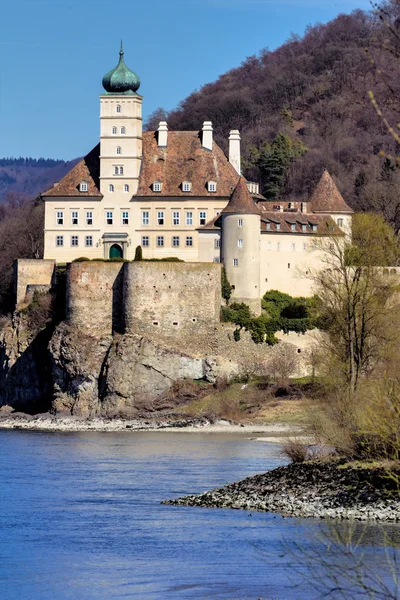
(81, 519)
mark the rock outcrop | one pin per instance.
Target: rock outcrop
(66, 369)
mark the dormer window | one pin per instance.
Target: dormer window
(278, 226)
(83, 186)
(157, 186)
(118, 108)
(268, 226)
(303, 227)
(118, 149)
(293, 226)
(212, 186)
(314, 227)
(186, 186)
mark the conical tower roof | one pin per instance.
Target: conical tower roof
(121, 80)
(327, 198)
(241, 201)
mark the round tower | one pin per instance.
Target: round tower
(241, 247)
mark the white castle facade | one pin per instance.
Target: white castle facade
(176, 194)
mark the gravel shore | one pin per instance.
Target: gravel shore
(311, 489)
(276, 432)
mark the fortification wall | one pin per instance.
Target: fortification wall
(94, 296)
(172, 299)
(32, 272)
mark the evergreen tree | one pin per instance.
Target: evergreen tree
(138, 254)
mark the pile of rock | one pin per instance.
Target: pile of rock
(311, 489)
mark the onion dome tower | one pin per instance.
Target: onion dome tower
(241, 224)
(120, 133)
(121, 80)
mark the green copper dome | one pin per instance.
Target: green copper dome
(121, 80)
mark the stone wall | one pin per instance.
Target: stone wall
(175, 300)
(32, 272)
(94, 296)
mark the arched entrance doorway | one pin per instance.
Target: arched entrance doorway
(116, 251)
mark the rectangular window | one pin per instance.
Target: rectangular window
(235, 262)
(89, 217)
(278, 226)
(278, 246)
(268, 226)
(216, 259)
(217, 243)
(189, 240)
(303, 227)
(340, 222)
(203, 217)
(293, 247)
(176, 218)
(175, 240)
(74, 240)
(88, 241)
(160, 217)
(74, 217)
(145, 241)
(60, 218)
(240, 243)
(109, 217)
(314, 227)
(59, 240)
(145, 217)
(125, 217)
(288, 265)
(189, 218)
(269, 246)
(293, 226)
(240, 222)
(160, 240)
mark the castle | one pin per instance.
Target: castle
(176, 194)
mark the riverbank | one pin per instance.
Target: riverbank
(317, 489)
(46, 422)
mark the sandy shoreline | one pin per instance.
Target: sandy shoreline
(276, 432)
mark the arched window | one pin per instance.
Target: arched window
(118, 108)
(111, 187)
(118, 149)
(114, 130)
(126, 188)
(123, 130)
(121, 170)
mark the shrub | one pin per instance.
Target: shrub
(226, 288)
(138, 254)
(81, 259)
(295, 450)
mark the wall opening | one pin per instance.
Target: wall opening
(116, 251)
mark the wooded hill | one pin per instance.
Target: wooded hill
(28, 177)
(305, 106)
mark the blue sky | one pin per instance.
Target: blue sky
(54, 53)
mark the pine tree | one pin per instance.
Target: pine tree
(138, 254)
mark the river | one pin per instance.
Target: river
(81, 519)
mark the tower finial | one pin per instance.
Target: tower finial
(121, 51)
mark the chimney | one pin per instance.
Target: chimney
(162, 134)
(207, 137)
(303, 207)
(234, 149)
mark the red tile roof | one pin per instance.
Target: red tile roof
(241, 201)
(87, 170)
(325, 224)
(184, 159)
(327, 198)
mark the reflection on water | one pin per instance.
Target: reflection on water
(81, 518)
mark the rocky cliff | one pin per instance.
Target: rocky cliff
(68, 370)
